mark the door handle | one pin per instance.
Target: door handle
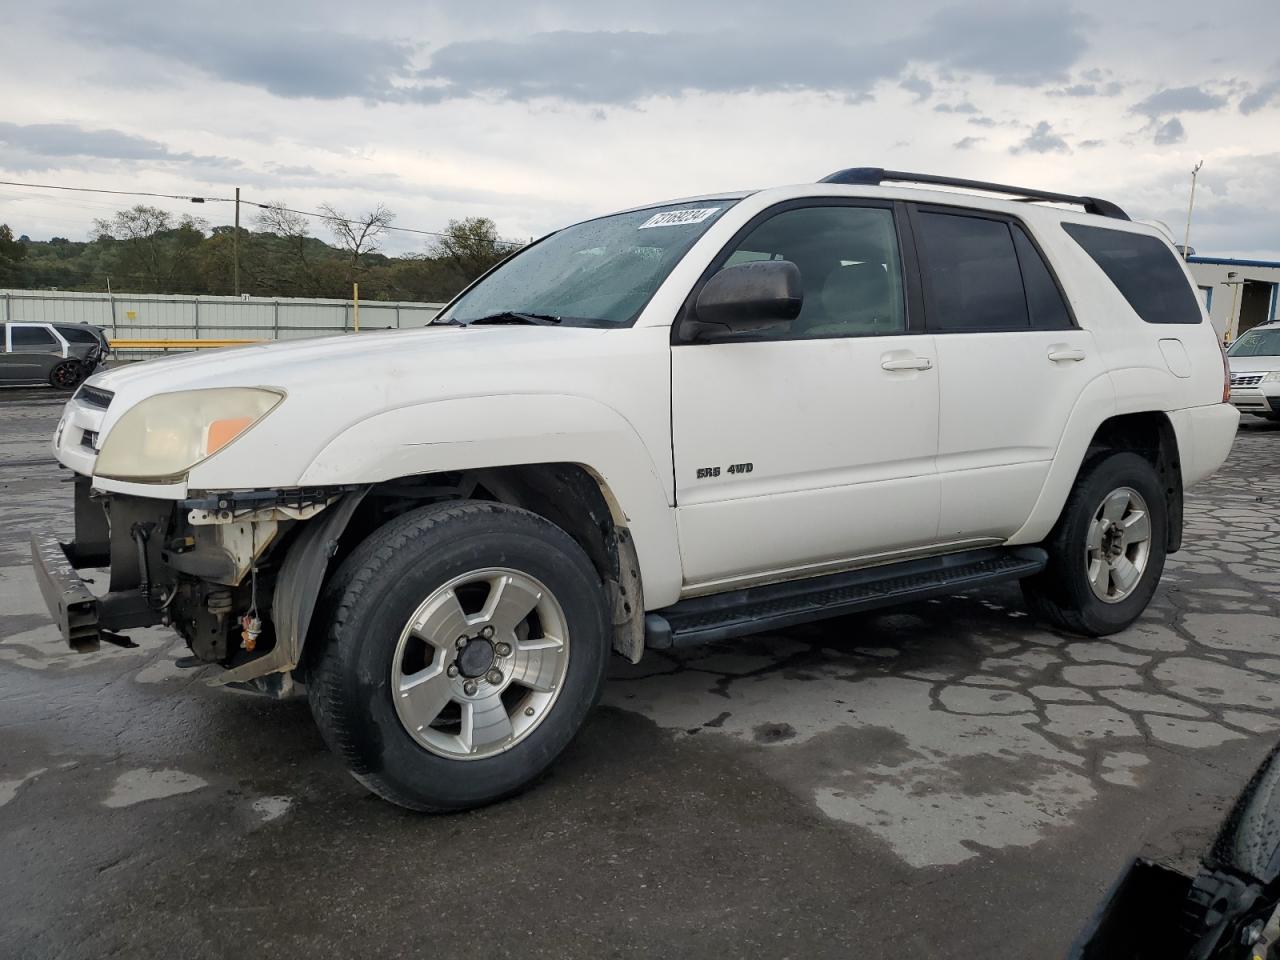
(907, 363)
(1060, 353)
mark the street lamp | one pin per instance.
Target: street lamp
(1186, 239)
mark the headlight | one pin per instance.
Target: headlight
(164, 436)
(1271, 377)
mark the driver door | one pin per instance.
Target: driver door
(810, 446)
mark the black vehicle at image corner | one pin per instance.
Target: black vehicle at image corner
(59, 354)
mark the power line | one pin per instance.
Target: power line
(254, 203)
(121, 193)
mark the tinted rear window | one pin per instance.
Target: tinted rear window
(78, 334)
(1143, 269)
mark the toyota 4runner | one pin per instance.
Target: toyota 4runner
(680, 423)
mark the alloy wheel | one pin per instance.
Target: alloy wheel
(480, 663)
(1118, 545)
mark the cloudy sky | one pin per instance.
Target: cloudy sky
(536, 114)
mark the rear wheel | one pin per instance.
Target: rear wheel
(66, 375)
(466, 644)
(1107, 551)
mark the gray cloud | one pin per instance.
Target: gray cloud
(299, 61)
(1026, 47)
(1090, 89)
(69, 140)
(962, 107)
(293, 170)
(917, 85)
(1261, 97)
(1076, 90)
(967, 143)
(1091, 144)
(1041, 139)
(1178, 100)
(43, 146)
(1171, 131)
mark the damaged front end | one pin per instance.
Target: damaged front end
(236, 574)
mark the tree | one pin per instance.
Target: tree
(12, 254)
(358, 237)
(471, 246)
(152, 246)
(296, 268)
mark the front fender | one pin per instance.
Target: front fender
(472, 433)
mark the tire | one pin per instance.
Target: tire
(1064, 593)
(368, 672)
(66, 375)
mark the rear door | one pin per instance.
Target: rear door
(807, 446)
(1012, 363)
(33, 350)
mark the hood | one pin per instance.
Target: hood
(385, 358)
(1253, 364)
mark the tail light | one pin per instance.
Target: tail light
(1226, 374)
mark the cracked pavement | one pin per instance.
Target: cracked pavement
(943, 778)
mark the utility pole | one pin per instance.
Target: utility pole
(236, 242)
(1186, 239)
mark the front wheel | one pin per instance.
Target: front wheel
(467, 642)
(1107, 551)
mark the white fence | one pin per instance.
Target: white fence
(158, 317)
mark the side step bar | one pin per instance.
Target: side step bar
(774, 606)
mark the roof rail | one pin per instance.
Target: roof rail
(874, 176)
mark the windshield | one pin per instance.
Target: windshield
(1257, 343)
(601, 272)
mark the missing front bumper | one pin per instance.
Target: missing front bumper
(83, 618)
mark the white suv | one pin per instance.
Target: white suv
(684, 422)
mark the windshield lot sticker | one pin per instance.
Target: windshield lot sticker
(678, 218)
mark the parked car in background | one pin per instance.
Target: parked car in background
(59, 354)
(1254, 359)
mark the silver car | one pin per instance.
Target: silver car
(59, 354)
(1254, 359)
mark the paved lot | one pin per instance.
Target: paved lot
(947, 779)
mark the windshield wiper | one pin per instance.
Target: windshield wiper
(512, 316)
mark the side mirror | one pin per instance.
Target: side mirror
(746, 297)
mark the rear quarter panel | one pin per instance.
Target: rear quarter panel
(1140, 378)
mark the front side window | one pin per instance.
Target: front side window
(598, 273)
(849, 265)
(972, 277)
(1264, 342)
(31, 337)
(1143, 269)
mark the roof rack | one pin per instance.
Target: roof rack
(874, 176)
